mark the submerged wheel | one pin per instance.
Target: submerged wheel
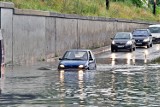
(112, 50)
(134, 48)
(131, 50)
(148, 46)
(95, 67)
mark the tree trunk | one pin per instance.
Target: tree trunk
(154, 8)
(107, 4)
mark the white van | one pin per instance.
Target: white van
(155, 31)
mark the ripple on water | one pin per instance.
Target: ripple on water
(109, 86)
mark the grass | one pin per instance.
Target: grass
(89, 8)
(131, 12)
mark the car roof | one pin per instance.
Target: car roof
(123, 32)
(156, 25)
(142, 29)
(79, 50)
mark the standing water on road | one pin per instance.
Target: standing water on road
(110, 86)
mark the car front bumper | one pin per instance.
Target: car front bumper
(115, 46)
(71, 67)
(156, 40)
(142, 43)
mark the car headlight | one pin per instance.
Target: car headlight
(81, 66)
(146, 40)
(129, 43)
(61, 66)
(113, 42)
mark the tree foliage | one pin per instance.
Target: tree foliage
(157, 2)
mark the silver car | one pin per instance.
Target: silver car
(155, 31)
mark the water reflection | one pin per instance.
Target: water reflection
(73, 77)
(139, 57)
(129, 58)
(146, 53)
(132, 86)
(113, 57)
(2, 79)
(74, 82)
(157, 47)
(61, 76)
(117, 59)
(80, 83)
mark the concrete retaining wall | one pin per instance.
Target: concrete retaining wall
(28, 38)
(31, 35)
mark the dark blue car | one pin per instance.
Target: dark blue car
(78, 59)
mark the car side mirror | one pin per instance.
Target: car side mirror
(150, 35)
(60, 58)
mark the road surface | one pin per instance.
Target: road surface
(142, 55)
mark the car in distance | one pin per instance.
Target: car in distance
(155, 31)
(123, 40)
(78, 59)
(142, 37)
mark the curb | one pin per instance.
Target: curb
(101, 50)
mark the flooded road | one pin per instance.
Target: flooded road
(116, 83)
(142, 55)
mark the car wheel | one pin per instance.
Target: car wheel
(148, 46)
(151, 45)
(95, 67)
(131, 50)
(112, 50)
(134, 48)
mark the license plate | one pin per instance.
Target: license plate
(139, 43)
(120, 46)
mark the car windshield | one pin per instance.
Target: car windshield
(76, 55)
(122, 36)
(154, 29)
(140, 33)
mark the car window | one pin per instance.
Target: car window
(69, 55)
(140, 33)
(154, 29)
(80, 55)
(90, 56)
(122, 36)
